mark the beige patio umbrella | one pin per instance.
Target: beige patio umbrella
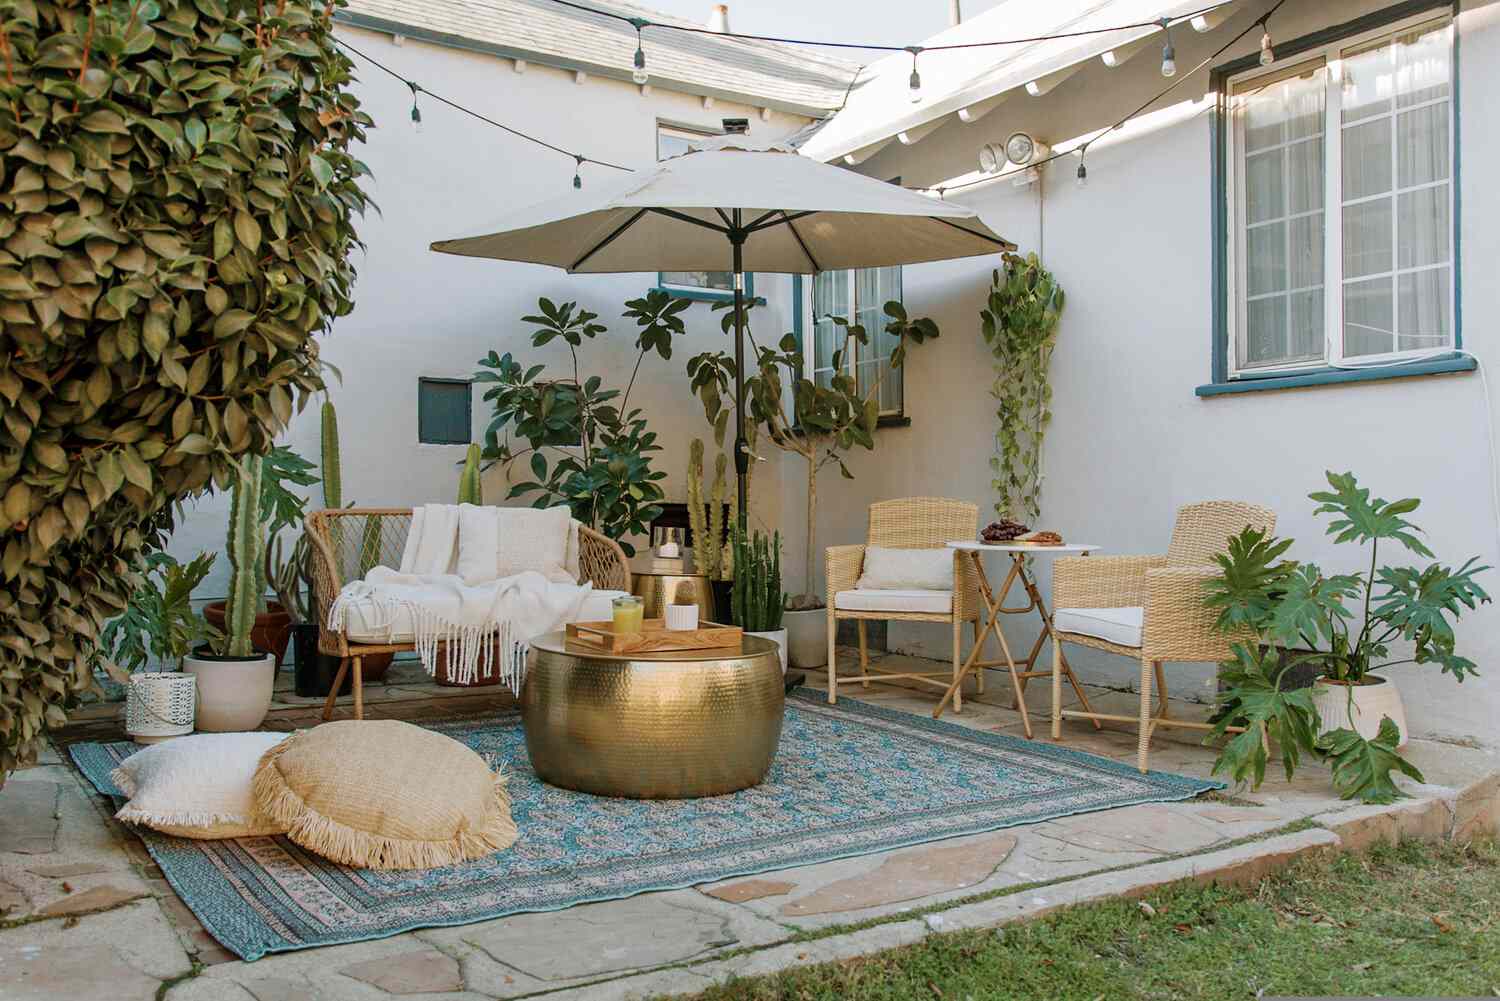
(731, 201)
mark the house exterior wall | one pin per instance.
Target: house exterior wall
(1130, 441)
(420, 313)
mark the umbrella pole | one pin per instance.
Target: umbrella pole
(741, 444)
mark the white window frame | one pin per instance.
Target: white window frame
(851, 359)
(1330, 55)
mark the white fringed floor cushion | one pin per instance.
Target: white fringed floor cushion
(197, 786)
(382, 794)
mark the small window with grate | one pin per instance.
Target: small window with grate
(444, 411)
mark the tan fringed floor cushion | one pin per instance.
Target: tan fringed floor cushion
(382, 794)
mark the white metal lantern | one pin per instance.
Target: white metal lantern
(160, 704)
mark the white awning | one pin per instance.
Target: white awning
(971, 82)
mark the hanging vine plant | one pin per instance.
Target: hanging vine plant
(1020, 326)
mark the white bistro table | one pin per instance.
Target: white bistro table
(994, 602)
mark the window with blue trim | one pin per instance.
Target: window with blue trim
(858, 296)
(1336, 179)
(444, 411)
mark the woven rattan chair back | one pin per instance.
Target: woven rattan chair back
(921, 522)
(1203, 530)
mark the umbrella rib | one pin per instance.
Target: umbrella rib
(1005, 244)
(684, 217)
(607, 240)
(811, 259)
(755, 223)
(786, 219)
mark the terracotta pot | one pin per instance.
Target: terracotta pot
(807, 637)
(1374, 699)
(271, 632)
(234, 693)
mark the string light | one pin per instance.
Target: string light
(1168, 53)
(416, 112)
(915, 83)
(1083, 171)
(578, 171)
(640, 75)
(1267, 57)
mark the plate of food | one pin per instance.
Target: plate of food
(1039, 538)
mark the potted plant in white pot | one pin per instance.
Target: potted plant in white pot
(821, 424)
(159, 627)
(234, 679)
(756, 600)
(1286, 614)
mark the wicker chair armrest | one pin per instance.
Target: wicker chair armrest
(602, 561)
(325, 570)
(842, 566)
(1178, 625)
(1102, 581)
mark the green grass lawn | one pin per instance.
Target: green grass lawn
(1416, 919)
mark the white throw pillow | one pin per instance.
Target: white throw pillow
(495, 542)
(198, 786)
(893, 569)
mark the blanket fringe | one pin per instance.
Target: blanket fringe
(365, 850)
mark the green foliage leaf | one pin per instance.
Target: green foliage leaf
(1362, 768)
(1357, 517)
(1252, 697)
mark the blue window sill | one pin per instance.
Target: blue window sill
(1333, 376)
(705, 295)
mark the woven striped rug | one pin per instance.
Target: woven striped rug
(848, 780)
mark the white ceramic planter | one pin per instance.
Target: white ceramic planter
(807, 638)
(777, 636)
(234, 694)
(159, 705)
(1370, 704)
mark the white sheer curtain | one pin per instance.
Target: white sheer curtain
(830, 297)
(859, 297)
(1397, 225)
(1280, 136)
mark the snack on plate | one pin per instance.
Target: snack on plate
(1003, 530)
(1041, 538)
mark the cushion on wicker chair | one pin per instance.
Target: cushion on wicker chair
(895, 600)
(197, 786)
(1120, 626)
(368, 621)
(383, 794)
(906, 569)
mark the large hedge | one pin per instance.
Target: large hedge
(176, 212)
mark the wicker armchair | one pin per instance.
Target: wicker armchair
(912, 523)
(1149, 608)
(347, 543)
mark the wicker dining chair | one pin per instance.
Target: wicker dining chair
(911, 523)
(1149, 608)
(348, 542)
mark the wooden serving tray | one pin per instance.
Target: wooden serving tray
(654, 636)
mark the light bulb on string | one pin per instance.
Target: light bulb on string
(1267, 56)
(914, 84)
(416, 112)
(1168, 53)
(640, 76)
(1083, 171)
(578, 172)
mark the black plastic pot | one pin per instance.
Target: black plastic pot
(314, 671)
(722, 591)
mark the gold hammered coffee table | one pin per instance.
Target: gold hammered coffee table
(663, 725)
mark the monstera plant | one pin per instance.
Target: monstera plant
(176, 213)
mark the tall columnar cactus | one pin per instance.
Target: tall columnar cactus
(469, 491)
(246, 548)
(333, 469)
(756, 600)
(707, 518)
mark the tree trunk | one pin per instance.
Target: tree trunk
(812, 514)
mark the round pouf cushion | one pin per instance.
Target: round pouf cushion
(382, 794)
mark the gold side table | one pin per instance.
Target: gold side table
(659, 583)
(665, 725)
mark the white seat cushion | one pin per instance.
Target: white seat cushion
(363, 624)
(894, 600)
(1120, 626)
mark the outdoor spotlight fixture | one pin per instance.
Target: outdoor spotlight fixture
(1021, 149)
(991, 158)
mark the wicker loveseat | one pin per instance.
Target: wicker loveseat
(349, 542)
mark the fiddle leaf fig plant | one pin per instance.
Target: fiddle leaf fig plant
(1019, 323)
(178, 206)
(1285, 614)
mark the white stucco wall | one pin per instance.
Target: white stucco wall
(1130, 441)
(419, 313)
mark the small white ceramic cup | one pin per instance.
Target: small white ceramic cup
(680, 617)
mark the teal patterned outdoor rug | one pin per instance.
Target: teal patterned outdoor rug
(848, 780)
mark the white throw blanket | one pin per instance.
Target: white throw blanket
(483, 626)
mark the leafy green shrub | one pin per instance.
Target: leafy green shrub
(176, 212)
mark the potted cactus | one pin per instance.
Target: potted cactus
(756, 602)
(235, 680)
